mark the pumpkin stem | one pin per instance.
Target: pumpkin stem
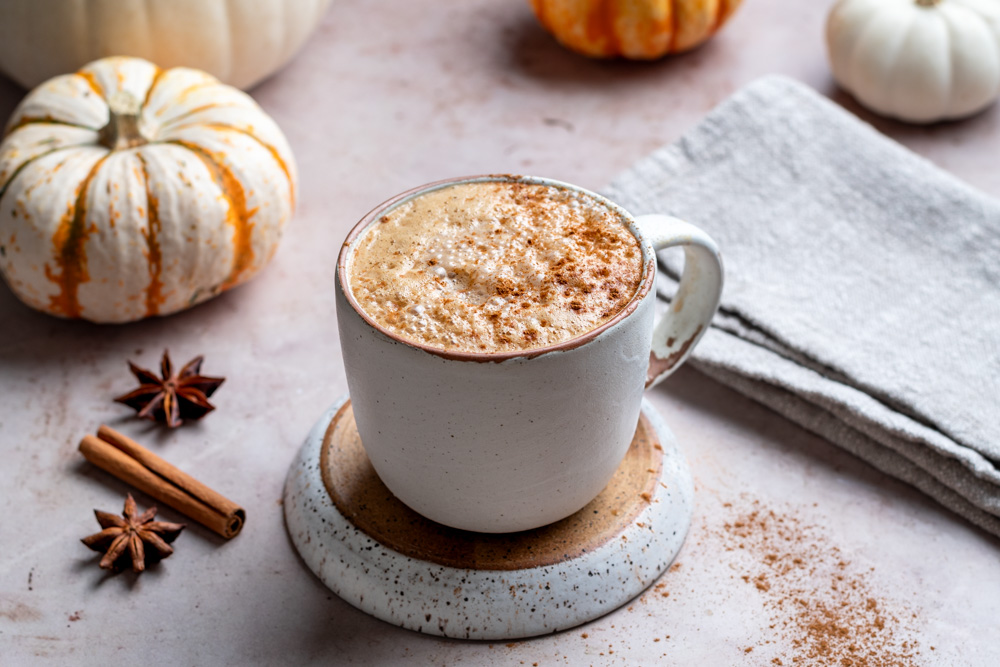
(928, 3)
(122, 130)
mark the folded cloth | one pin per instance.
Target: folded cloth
(862, 295)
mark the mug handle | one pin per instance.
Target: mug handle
(697, 297)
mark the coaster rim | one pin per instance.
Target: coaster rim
(484, 604)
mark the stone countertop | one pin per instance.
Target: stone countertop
(796, 550)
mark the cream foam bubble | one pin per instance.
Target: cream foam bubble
(495, 267)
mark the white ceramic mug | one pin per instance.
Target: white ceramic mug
(511, 441)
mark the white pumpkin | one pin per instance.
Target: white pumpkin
(128, 191)
(238, 41)
(917, 60)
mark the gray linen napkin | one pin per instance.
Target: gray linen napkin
(862, 294)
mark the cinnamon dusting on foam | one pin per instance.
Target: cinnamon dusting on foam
(495, 267)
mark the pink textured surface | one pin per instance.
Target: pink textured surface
(384, 97)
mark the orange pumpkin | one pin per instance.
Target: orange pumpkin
(637, 29)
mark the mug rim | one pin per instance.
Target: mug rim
(646, 284)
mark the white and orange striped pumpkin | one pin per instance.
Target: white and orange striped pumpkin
(240, 42)
(636, 29)
(128, 191)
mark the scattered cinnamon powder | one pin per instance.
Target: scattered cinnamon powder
(494, 267)
(818, 602)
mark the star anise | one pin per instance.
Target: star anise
(124, 537)
(173, 398)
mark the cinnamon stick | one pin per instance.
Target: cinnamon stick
(130, 462)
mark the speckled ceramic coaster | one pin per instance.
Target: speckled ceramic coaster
(391, 562)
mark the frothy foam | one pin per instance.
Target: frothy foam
(495, 267)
